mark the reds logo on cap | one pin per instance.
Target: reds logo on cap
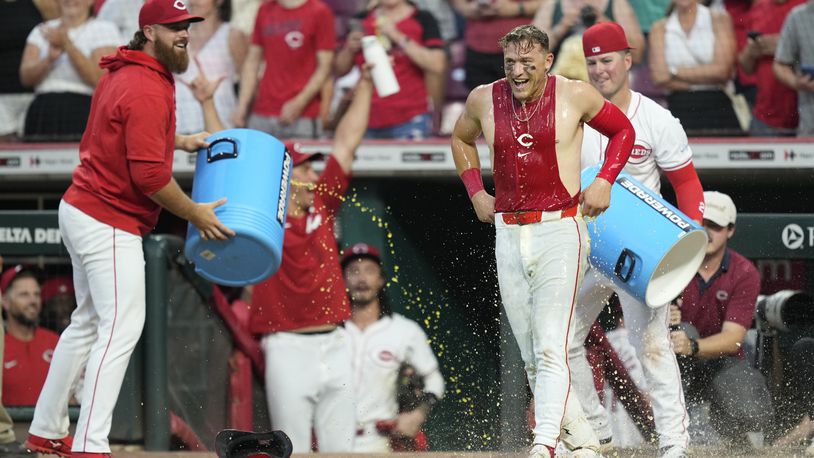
(164, 12)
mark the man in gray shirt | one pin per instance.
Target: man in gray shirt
(794, 62)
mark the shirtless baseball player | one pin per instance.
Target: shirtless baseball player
(660, 144)
(533, 124)
(123, 180)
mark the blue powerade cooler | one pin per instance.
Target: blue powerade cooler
(642, 243)
(252, 170)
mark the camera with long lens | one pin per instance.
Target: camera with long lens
(785, 310)
(588, 16)
(788, 312)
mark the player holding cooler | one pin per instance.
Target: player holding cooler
(660, 144)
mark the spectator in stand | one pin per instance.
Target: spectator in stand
(712, 318)
(692, 55)
(9, 446)
(563, 18)
(217, 49)
(775, 111)
(295, 39)
(299, 309)
(28, 347)
(794, 62)
(123, 13)
(58, 303)
(17, 19)
(486, 22)
(412, 39)
(648, 12)
(383, 342)
(738, 11)
(244, 15)
(61, 63)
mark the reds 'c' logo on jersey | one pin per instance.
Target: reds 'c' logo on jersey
(641, 152)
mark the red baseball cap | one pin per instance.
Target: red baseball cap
(11, 273)
(295, 150)
(360, 250)
(56, 286)
(164, 12)
(603, 38)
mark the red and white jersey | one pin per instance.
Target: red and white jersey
(661, 143)
(378, 352)
(309, 289)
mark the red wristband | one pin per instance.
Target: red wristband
(473, 181)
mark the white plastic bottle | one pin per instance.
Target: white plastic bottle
(382, 72)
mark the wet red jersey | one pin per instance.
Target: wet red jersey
(526, 172)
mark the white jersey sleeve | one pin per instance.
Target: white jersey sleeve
(421, 356)
(661, 143)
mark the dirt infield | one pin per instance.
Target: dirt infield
(696, 452)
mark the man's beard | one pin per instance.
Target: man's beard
(176, 62)
(362, 301)
(21, 318)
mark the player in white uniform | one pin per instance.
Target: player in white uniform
(661, 145)
(382, 341)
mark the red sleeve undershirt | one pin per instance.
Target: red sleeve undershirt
(689, 193)
(612, 123)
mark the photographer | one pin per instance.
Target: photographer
(710, 323)
(785, 355)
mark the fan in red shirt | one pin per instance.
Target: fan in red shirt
(28, 347)
(123, 180)
(775, 111)
(296, 40)
(298, 310)
(414, 42)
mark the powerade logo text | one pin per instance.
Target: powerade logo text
(284, 189)
(652, 201)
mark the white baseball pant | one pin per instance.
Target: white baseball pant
(650, 336)
(369, 440)
(540, 267)
(108, 276)
(309, 384)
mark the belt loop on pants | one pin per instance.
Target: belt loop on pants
(536, 216)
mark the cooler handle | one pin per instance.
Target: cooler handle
(223, 154)
(626, 254)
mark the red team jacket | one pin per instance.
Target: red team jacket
(132, 118)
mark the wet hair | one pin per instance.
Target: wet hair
(138, 41)
(525, 37)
